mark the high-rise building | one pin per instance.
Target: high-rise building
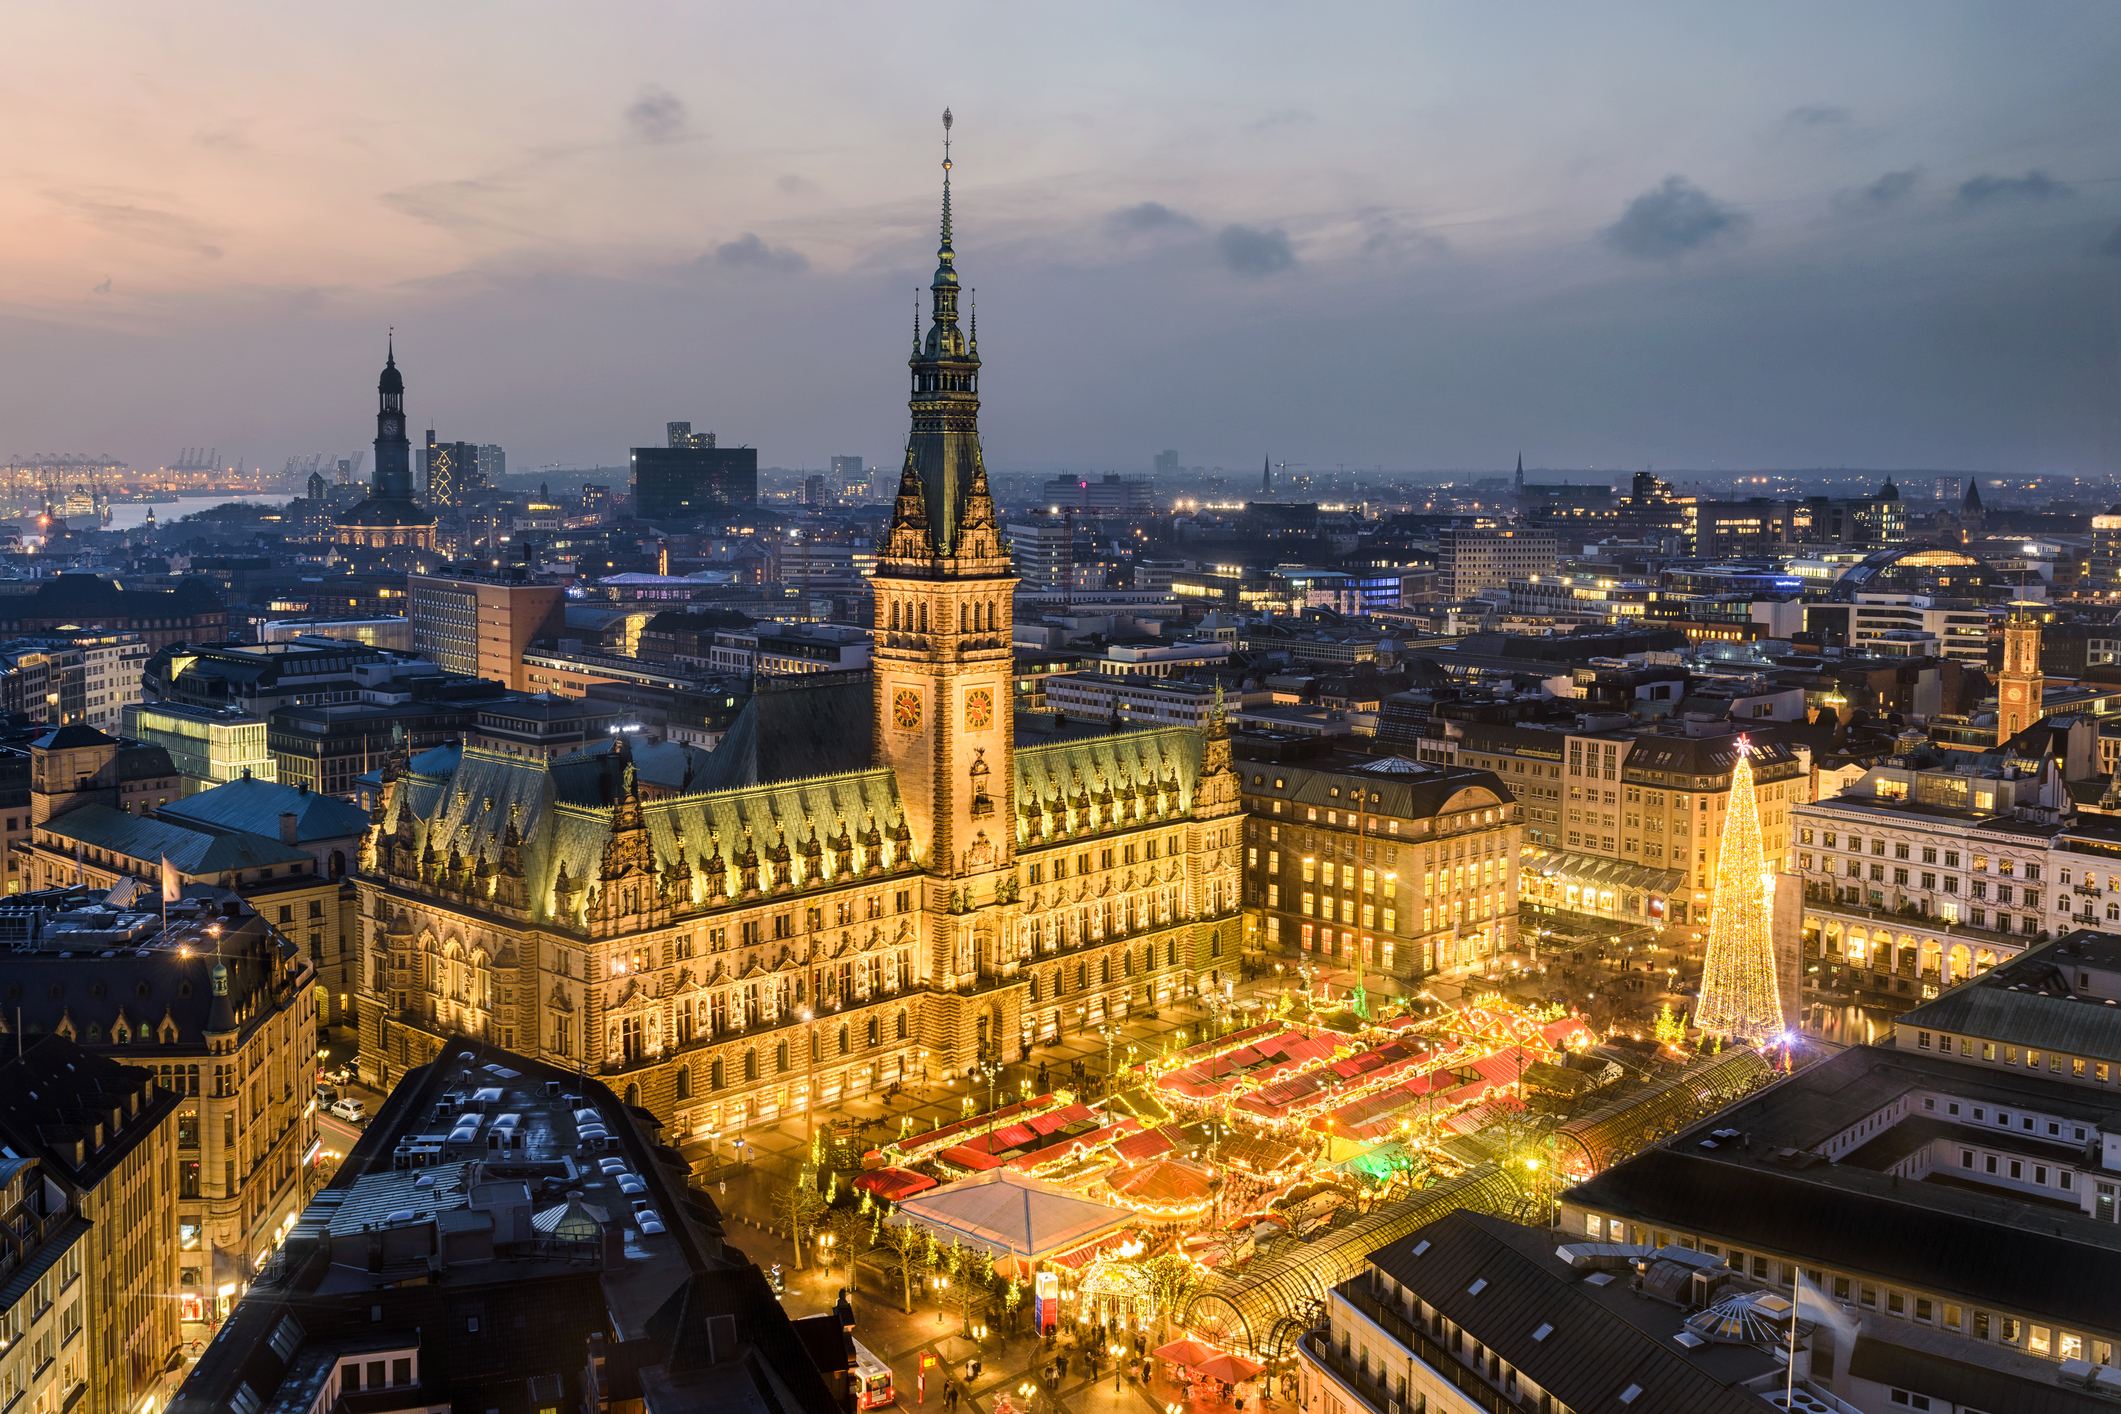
(389, 519)
(1167, 463)
(493, 463)
(1474, 560)
(1041, 553)
(692, 477)
(480, 625)
(91, 1143)
(813, 490)
(453, 470)
(847, 469)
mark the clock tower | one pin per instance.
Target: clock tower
(393, 475)
(942, 658)
(2021, 686)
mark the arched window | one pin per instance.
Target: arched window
(633, 1094)
(716, 1077)
(684, 1082)
(894, 614)
(924, 616)
(780, 1057)
(751, 1065)
(875, 1031)
(1104, 970)
(1034, 989)
(961, 618)
(902, 1026)
(843, 1038)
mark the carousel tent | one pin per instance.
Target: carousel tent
(1007, 1213)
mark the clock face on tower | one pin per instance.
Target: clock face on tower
(390, 427)
(979, 709)
(906, 708)
(2013, 694)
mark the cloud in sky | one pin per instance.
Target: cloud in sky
(1881, 194)
(1670, 220)
(2032, 188)
(1248, 250)
(564, 257)
(1819, 115)
(658, 115)
(1148, 216)
(748, 252)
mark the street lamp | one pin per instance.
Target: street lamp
(942, 1287)
(824, 1242)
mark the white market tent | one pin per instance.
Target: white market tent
(1011, 1215)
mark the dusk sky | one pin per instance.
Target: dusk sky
(1415, 235)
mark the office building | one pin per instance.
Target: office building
(814, 491)
(1106, 495)
(470, 1287)
(848, 470)
(492, 464)
(111, 664)
(899, 882)
(389, 524)
(481, 625)
(1106, 697)
(91, 1146)
(1421, 879)
(1485, 560)
(221, 1007)
(1166, 463)
(453, 471)
(692, 477)
(1041, 554)
(392, 633)
(206, 746)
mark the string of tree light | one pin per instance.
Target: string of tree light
(1738, 992)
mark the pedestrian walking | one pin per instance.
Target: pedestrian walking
(950, 1398)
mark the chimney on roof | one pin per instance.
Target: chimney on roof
(288, 821)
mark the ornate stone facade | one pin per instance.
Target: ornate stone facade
(717, 955)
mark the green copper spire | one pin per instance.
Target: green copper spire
(943, 454)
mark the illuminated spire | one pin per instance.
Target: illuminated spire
(1739, 995)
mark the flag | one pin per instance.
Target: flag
(172, 886)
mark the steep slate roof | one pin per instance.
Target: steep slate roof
(64, 738)
(256, 806)
(193, 852)
(790, 731)
(466, 797)
(1049, 774)
(1410, 789)
(1594, 1351)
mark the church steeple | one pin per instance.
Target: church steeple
(943, 453)
(393, 474)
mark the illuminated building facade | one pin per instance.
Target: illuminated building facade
(1394, 867)
(776, 931)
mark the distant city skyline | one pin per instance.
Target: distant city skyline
(1644, 235)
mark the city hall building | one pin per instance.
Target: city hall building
(846, 893)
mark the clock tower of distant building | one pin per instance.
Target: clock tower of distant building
(2021, 686)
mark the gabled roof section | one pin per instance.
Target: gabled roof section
(194, 852)
(1053, 773)
(255, 805)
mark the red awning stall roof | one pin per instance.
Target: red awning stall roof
(1147, 1145)
(1015, 1136)
(893, 1184)
(967, 1157)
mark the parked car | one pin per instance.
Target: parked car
(349, 1110)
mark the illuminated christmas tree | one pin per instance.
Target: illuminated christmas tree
(1738, 992)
